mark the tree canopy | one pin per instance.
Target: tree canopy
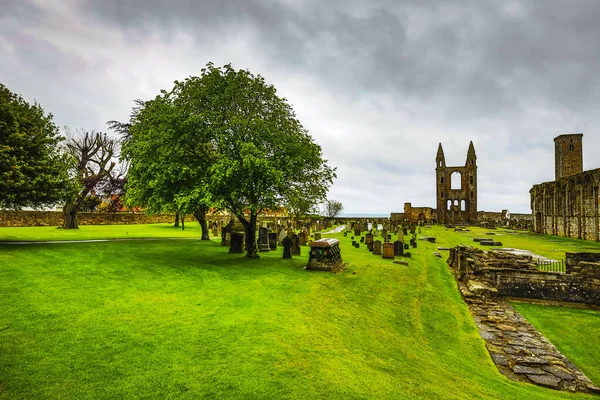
(33, 169)
(224, 138)
(332, 208)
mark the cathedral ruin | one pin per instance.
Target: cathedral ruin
(456, 189)
(568, 206)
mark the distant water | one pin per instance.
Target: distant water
(364, 215)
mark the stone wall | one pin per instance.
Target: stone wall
(568, 207)
(55, 218)
(505, 274)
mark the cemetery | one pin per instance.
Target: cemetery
(265, 295)
(196, 303)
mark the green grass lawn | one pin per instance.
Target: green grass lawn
(186, 319)
(87, 232)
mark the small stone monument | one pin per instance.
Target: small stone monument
(325, 255)
(237, 242)
(303, 237)
(273, 240)
(356, 229)
(377, 247)
(263, 239)
(287, 246)
(295, 249)
(398, 248)
(317, 236)
(388, 250)
(282, 235)
(369, 241)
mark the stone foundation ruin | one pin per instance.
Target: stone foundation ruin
(519, 351)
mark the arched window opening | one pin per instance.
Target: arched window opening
(456, 180)
(462, 205)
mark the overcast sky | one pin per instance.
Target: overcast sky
(378, 84)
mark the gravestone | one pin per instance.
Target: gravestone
(295, 250)
(287, 246)
(303, 238)
(273, 240)
(354, 243)
(317, 236)
(348, 226)
(356, 229)
(388, 250)
(263, 239)
(377, 247)
(401, 235)
(398, 248)
(282, 235)
(345, 233)
(384, 233)
(406, 246)
(357, 245)
(237, 242)
(369, 241)
(324, 255)
(362, 239)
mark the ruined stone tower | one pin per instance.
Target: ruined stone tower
(456, 189)
(568, 155)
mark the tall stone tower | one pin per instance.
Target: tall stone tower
(456, 202)
(568, 155)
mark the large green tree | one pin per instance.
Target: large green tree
(264, 157)
(33, 169)
(168, 159)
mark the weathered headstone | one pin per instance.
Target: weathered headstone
(356, 229)
(377, 247)
(398, 248)
(317, 236)
(388, 250)
(369, 241)
(401, 235)
(273, 240)
(236, 243)
(263, 239)
(295, 250)
(384, 233)
(303, 238)
(287, 246)
(282, 235)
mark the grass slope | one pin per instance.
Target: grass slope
(186, 319)
(87, 232)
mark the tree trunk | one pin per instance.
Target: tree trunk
(183, 223)
(176, 225)
(251, 248)
(200, 215)
(70, 217)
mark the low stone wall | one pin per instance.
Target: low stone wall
(517, 276)
(55, 218)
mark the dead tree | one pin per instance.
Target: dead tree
(93, 153)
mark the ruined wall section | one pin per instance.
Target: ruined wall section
(504, 274)
(568, 207)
